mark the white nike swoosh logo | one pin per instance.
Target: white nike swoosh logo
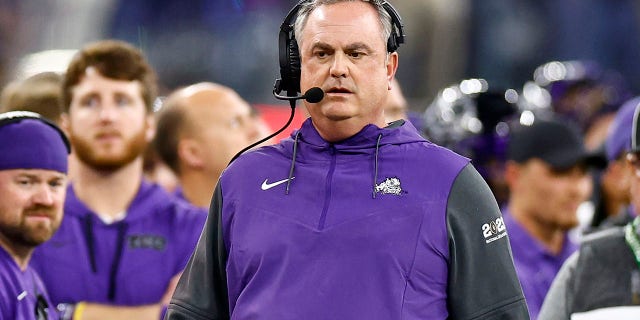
(267, 186)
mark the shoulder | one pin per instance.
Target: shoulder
(608, 241)
(169, 207)
(604, 238)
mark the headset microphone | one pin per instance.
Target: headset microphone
(313, 95)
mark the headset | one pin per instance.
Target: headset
(17, 116)
(289, 55)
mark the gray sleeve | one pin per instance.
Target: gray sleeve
(560, 296)
(202, 290)
(482, 279)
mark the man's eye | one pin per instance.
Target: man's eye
(25, 182)
(56, 183)
(123, 101)
(91, 101)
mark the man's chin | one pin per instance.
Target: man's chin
(107, 164)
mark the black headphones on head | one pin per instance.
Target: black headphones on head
(290, 56)
(9, 117)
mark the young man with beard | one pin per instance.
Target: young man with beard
(33, 181)
(547, 174)
(124, 241)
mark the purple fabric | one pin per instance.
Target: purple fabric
(32, 144)
(370, 259)
(159, 235)
(535, 265)
(19, 290)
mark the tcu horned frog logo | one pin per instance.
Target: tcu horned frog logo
(389, 186)
(494, 230)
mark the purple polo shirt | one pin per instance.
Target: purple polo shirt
(19, 291)
(536, 265)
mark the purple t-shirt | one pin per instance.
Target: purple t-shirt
(535, 265)
(19, 291)
(129, 262)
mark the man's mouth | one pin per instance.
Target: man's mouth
(338, 90)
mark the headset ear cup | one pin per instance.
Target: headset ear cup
(294, 67)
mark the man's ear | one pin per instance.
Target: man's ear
(511, 173)
(150, 130)
(65, 122)
(392, 67)
(190, 154)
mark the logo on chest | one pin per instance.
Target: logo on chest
(389, 186)
(146, 241)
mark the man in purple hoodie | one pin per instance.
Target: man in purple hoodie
(351, 218)
(33, 180)
(124, 241)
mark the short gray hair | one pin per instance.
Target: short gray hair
(307, 7)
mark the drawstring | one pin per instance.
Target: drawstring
(293, 162)
(375, 174)
(88, 234)
(122, 230)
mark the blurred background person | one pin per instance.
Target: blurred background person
(124, 241)
(474, 120)
(581, 92)
(547, 174)
(611, 196)
(200, 128)
(39, 93)
(602, 279)
(33, 167)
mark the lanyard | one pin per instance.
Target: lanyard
(631, 237)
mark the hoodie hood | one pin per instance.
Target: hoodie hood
(146, 197)
(365, 141)
(306, 145)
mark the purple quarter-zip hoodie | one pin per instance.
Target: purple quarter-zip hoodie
(129, 262)
(382, 225)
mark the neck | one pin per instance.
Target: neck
(333, 131)
(108, 192)
(198, 187)
(20, 254)
(551, 237)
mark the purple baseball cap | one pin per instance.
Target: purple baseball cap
(619, 133)
(29, 141)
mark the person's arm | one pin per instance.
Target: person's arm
(482, 279)
(202, 290)
(560, 296)
(93, 311)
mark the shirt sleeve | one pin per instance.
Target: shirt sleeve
(560, 296)
(482, 280)
(202, 290)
